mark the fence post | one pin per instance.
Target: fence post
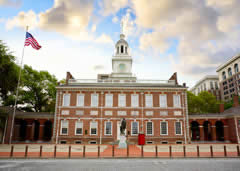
(142, 151)
(40, 151)
(184, 150)
(84, 150)
(238, 151)
(113, 150)
(12, 148)
(156, 150)
(225, 151)
(127, 150)
(55, 151)
(170, 151)
(198, 152)
(211, 150)
(26, 151)
(69, 151)
(98, 151)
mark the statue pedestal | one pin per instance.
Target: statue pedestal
(122, 142)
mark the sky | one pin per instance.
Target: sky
(190, 37)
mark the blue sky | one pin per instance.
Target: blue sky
(165, 36)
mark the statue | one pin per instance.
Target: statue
(123, 126)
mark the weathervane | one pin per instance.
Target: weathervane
(121, 27)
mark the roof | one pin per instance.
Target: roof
(207, 77)
(21, 114)
(228, 62)
(233, 111)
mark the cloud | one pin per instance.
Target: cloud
(104, 39)
(98, 67)
(115, 19)
(112, 6)
(22, 20)
(206, 33)
(10, 3)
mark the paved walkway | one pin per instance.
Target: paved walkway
(120, 164)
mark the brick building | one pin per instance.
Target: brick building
(229, 78)
(209, 83)
(90, 111)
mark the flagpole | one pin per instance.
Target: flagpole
(18, 84)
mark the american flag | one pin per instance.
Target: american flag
(31, 41)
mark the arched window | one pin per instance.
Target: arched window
(236, 68)
(223, 75)
(229, 72)
(122, 49)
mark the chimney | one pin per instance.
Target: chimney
(174, 77)
(235, 101)
(221, 108)
(69, 76)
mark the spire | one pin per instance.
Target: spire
(122, 36)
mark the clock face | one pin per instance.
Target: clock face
(122, 67)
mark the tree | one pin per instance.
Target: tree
(205, 102)
(38, 90)
(8, 73)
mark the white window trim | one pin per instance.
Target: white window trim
(151, 105)
(152, 128)
(105, 126)
(175, 128)
(106, 104)
(119, 104)
(92, 100)
(105, 113)
(76, 128)
(94, 112)
(161, 128)
(147, 113)
(132, 128)
(64, 99)
(62, 127)
(174, 105)
(80, 94)
(164, 95)
(65, 114)
(91, 128)
(137, 104)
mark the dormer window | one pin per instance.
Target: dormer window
(121, 48)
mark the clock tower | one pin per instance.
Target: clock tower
(122, 61)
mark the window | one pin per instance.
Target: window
(163, 100)
(164, 142)
(163, 113)
(79, 128)
(134, 130)
(134, 100)
(223, 75)
(65, 112)
(93, 128)
(108, 113)
(78, 142)
(149, 142)
(236, 68)
(229, 72)
(108, 128)
(178, 128)
(148, 100)
(109, 100)
(164, 128)
(134, 113)
(149, 128)
(79, 112)
(80, 100)
(122, 49)
(122, 113)
(63, 142)
(94, 100)
(176, 101)
(64, 127)
(178, 142)
(211, 85)
(149, 113)
(92, 142)
(122, 100)
(93, 112)
(66, 99)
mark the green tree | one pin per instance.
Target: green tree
(209, 103)
(38, 90)
(194, 103)
(8, 73)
